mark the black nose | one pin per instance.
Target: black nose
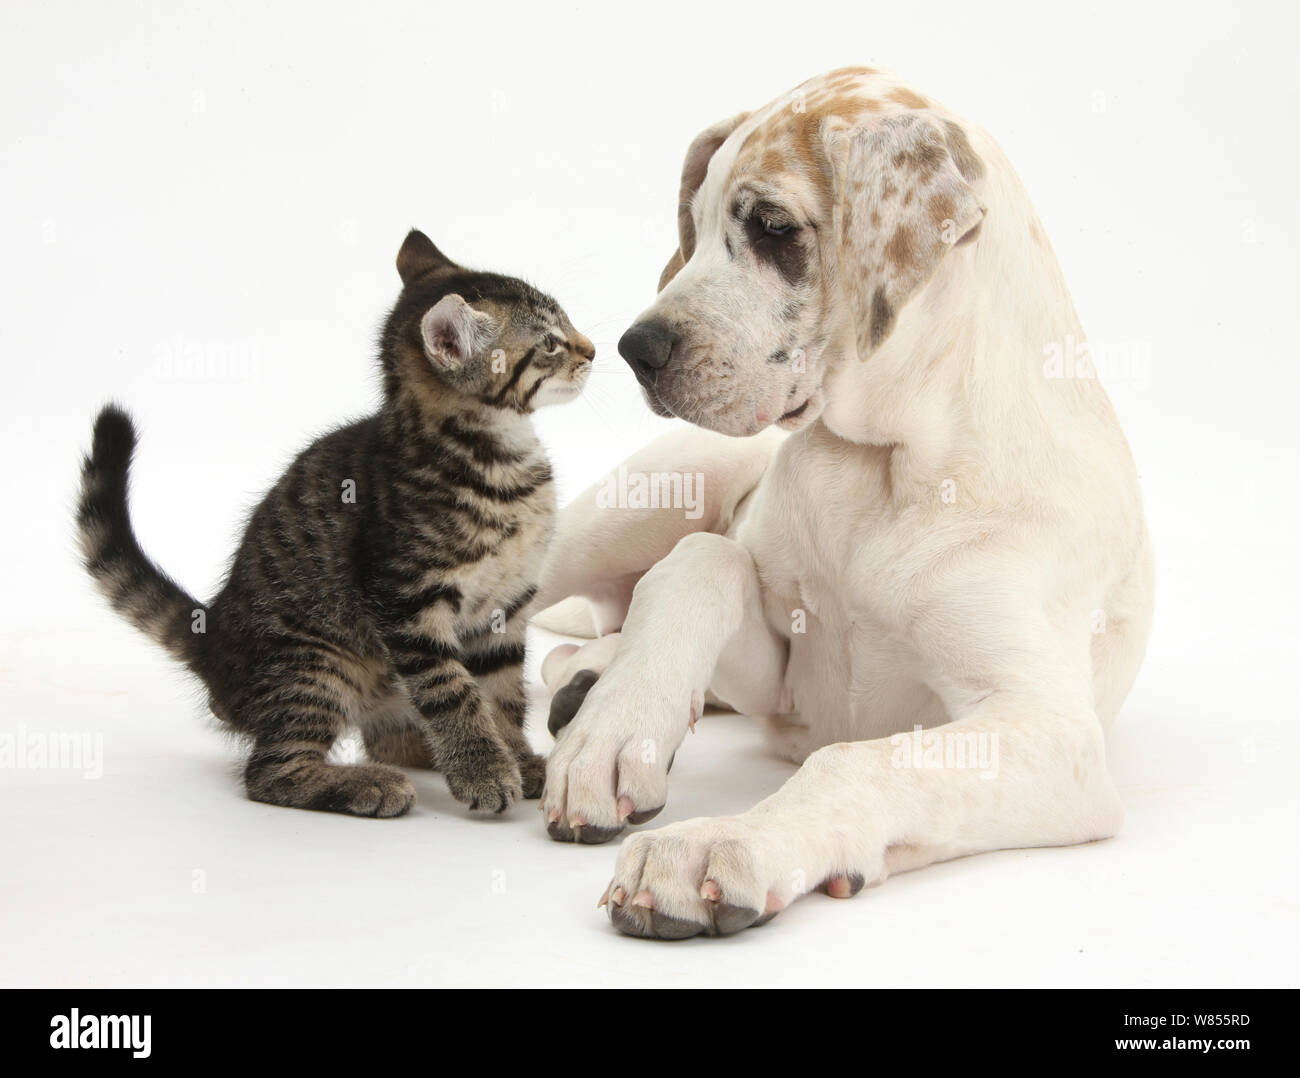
(647, 347)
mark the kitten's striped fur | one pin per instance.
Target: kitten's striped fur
(401, 609)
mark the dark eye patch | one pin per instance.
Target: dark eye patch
(780, 249)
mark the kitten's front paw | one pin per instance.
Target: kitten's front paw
(488, 786)
(532, 769)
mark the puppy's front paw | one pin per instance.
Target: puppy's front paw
(709, 876)
(610, 767)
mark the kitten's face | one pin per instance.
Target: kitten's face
(529, 356)
(493, 338)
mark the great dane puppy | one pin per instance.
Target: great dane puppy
(950, 538)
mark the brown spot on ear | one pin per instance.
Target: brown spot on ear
(968, 162)
(942, 208)
(908, 99)
(901, 250)
(882, 317)
(925, 158)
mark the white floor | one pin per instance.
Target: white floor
(159, 872)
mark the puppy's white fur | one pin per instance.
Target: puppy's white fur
(951, 539)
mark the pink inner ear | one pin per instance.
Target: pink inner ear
(446, 341)
(443, 334)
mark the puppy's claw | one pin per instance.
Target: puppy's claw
(844, 886)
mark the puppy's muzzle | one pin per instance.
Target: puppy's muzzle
(648, 347)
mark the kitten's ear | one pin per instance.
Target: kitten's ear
(419, 256)
(454, 333)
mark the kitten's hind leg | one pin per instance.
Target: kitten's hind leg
(393, 733)
(294, 712)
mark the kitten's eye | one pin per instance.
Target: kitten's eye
(776, 228)
(551, 345)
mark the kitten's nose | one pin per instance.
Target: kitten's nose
(582, 346)
(647, 347)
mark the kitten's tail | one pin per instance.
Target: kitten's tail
(141, 592)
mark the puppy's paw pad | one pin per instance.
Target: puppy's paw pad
(566, 702)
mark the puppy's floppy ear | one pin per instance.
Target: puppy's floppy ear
(694, 168)
(454, 333)
(903, 198)
(419, 256)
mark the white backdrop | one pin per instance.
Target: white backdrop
(202, 202)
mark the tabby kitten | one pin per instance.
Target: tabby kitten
(385, 580)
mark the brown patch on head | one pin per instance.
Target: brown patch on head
(847, 75)
(792, 137)
(908, 99)
(773, 161)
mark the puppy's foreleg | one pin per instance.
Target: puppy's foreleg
(610, 766)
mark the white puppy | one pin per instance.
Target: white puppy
(951, 539)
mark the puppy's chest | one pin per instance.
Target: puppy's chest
(825, 539)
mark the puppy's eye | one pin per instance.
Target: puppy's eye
(776, 228)
(551, 345)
